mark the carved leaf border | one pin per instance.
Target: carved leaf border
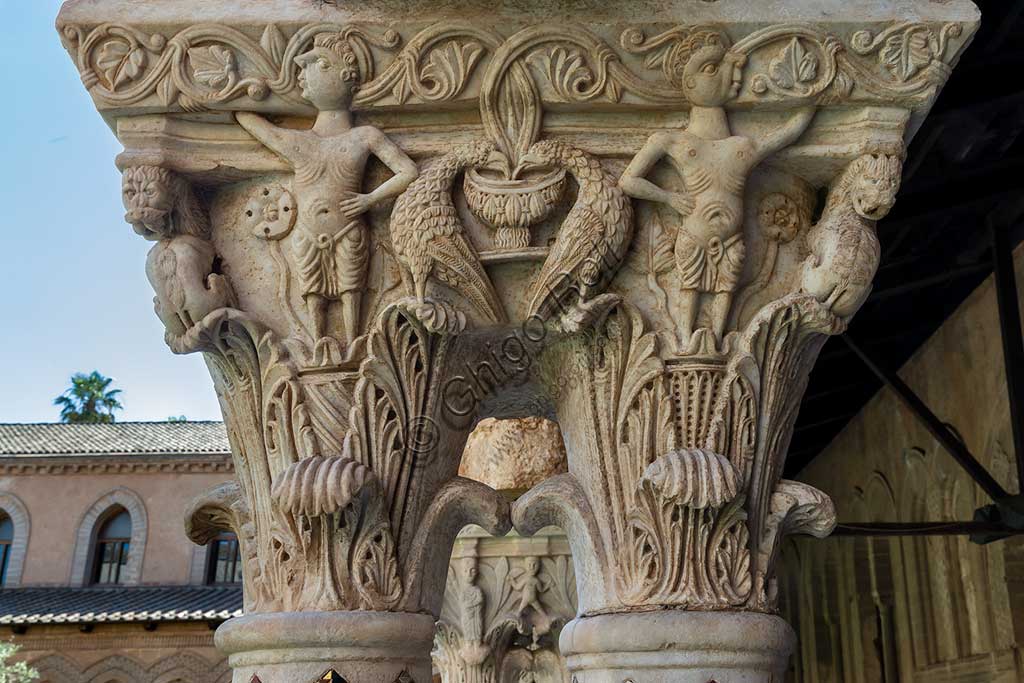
(122, 65)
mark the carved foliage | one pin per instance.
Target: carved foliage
(204, 64)
(269, 431)
(754, 418)
(210, 65)
(803, 61)
(395, 431)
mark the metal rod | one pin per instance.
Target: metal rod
(921, 529)
(1013, 340)
(925, 282)
(933, 424)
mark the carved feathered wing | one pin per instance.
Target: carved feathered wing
(458, 266)
(591, 243)
(428, 239)
(579, 245)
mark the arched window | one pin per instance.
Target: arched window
(98, 526)
(6, 541)
(224, 560)
(113, 544)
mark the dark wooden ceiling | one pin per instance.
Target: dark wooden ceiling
(964, 171)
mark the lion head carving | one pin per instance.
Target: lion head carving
(160, 204)
(874, 180)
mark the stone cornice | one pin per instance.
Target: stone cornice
(116, 464)
(158, 64)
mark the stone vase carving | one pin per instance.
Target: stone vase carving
(310, 175)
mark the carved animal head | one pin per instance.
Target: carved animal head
(479, 153)
(329, 73)
(550, 153)
(874, 181)
(160, 204)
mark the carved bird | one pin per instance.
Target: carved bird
(428, 238)
(593, 238)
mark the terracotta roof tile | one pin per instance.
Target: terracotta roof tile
(119, 604)
(117, 438)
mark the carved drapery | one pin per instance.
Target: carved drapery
(613, 224)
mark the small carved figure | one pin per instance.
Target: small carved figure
(714, 165)
(474, 651)
(593, 238)
(428, 238)
(530, 585)
(330, 240)
(844, 247)
(182, 267)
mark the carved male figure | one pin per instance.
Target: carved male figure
(474, 651)
(330, 240)
(181, 267)
(714, 165)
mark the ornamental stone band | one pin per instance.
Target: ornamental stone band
(382, 223)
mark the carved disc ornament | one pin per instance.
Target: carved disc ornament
(381, 230)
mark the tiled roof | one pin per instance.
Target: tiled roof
(117, 438)
(121, 604)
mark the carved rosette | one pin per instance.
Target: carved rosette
(358, 318)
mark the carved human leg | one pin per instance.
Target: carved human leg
(292, 159)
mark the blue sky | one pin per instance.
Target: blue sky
(74, 294)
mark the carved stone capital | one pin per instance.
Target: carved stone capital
(506, 601)
(384, 223)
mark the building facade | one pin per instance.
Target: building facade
(916, 608)
(100, 584)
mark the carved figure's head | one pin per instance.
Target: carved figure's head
(532, 565)
(160, 204)
(469, 571)
(708, 72)
(329, 72)
(874, 181)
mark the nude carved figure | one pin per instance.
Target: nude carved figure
(714, 165)
(330, 243)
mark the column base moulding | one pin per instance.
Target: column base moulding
(670, 646)
(301, 647)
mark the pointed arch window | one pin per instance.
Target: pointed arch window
(113, 544)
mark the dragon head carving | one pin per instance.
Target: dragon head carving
(160, 204)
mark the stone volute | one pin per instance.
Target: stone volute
(382, 222)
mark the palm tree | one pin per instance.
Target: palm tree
(88, 400)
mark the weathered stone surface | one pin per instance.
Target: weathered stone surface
(513, 455)
(506, 601)
(601, 214)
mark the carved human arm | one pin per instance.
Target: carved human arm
(275, 138)
(786, 134)
(634, 184)
(395, 159)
